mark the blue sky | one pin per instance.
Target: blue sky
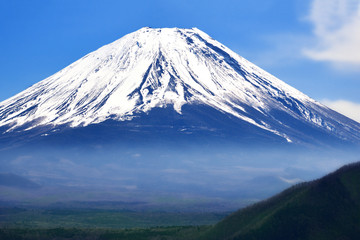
(313, 45)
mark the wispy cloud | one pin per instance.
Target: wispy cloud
(347, 108)
(337, 32)
(176, 171)
(291, 181)
(21, 160)
(136, 155)
(259, 170)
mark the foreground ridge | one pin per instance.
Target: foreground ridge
(327, 208)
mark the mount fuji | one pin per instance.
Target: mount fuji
(167, 112)
(174, 83)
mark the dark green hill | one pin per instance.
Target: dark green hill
(328, 208)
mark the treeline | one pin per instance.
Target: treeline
(161, 233)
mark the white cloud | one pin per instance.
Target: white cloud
(347, 108)
(337, 31)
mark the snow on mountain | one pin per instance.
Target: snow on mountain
(166, 67)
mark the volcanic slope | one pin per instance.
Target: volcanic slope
(178, 78)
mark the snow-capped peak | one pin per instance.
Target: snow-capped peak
(156, 68)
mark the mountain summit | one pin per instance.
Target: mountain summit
(182, 70)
